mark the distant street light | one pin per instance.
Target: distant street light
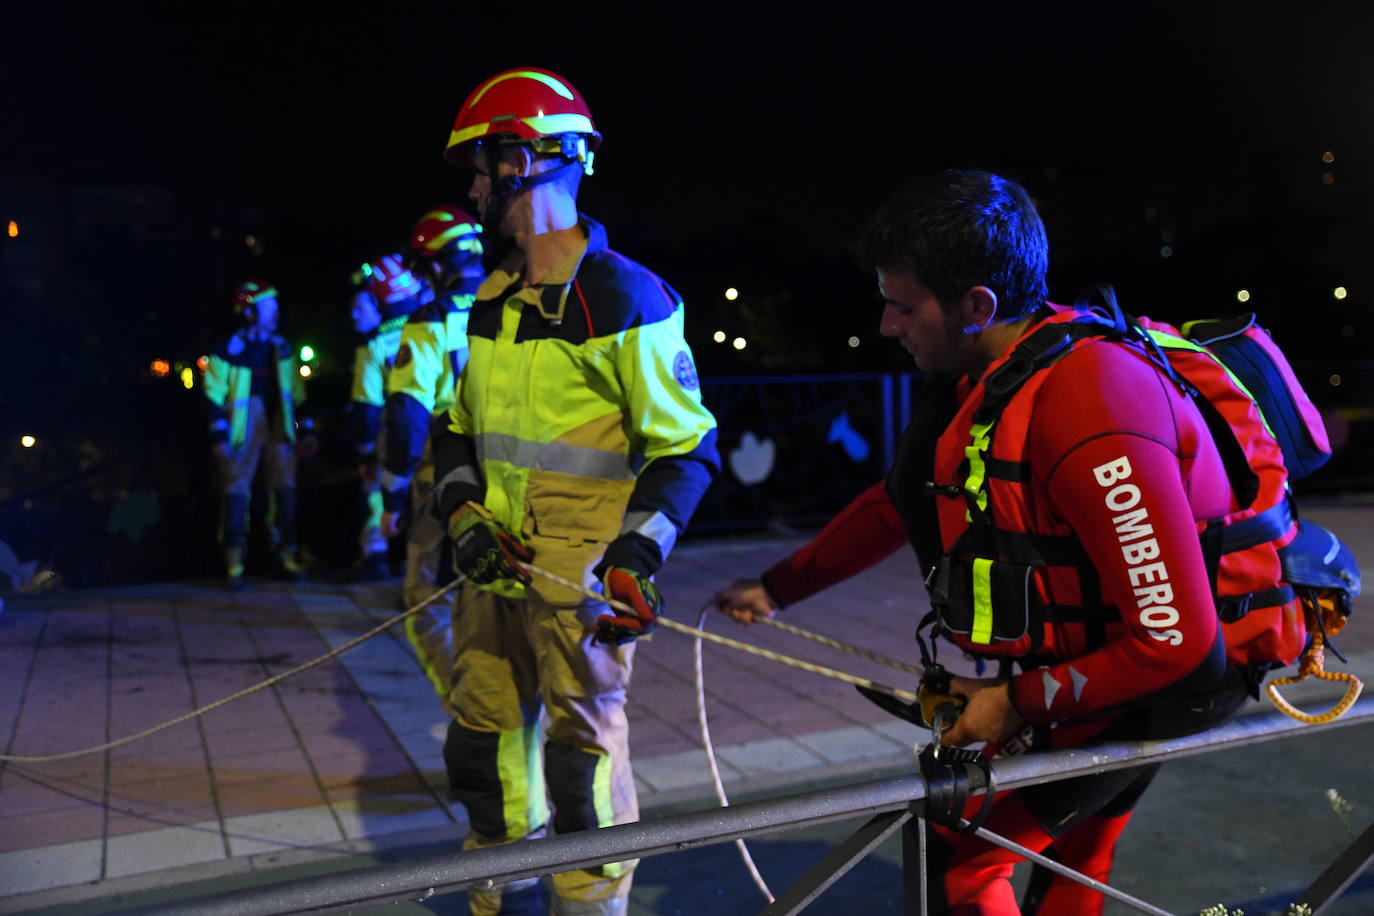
(14, 229)
(28, 441)
(718, 337)
(1339, 292)
(732, 293)
(307, 353)
(1243, 295)
(739, 343)
(305, 372)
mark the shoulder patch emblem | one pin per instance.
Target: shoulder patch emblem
(235, 346)
(684, 371)
(403, 357)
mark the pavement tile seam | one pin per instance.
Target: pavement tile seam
(297, 793)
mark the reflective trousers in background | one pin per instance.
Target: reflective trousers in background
(265, 444)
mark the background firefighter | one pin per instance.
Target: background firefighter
(252, 389)
(446, 252)
(385, 295)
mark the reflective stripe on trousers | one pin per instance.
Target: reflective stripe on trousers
(431, 631)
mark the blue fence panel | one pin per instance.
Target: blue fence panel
(795, 449)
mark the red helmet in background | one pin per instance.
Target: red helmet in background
(387, 279)
(531, 106)
(249, 293)
(444, 226)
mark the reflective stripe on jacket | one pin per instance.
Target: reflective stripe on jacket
(228, 385)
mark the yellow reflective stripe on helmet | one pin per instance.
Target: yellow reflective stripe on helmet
(553, 83)
(451, 233)
(549, 124)
(561, 124)
(976, 482)
(982, 602)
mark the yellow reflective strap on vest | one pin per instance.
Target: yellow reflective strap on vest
(981, 631)
(1169, 340)
(976, 482)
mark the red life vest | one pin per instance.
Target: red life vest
(1016, 583)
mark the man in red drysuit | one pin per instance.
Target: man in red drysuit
(1090, 477)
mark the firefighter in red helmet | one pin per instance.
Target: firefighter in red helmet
(446, 250)
(578, 441)
(252, 389)
(385, 294)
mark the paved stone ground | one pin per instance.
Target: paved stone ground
(344, 761)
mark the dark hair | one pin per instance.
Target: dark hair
(955, 230)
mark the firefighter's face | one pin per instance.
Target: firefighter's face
(924, 328)
(265, 311)
(365, 313)
(492, 162)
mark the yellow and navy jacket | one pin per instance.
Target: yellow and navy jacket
(432, 351)
(579, 421)
(228, 385)
(372, 359)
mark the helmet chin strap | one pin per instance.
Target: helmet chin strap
(504, 190)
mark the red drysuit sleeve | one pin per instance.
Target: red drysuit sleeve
(1117, 449)
(863, 533)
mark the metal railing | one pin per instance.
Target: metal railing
(890, 802)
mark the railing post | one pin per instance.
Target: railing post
(914, 876)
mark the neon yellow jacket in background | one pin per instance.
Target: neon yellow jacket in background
(372, 360)
(433, 350)
(228, 385)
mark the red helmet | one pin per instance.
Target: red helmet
(527, 106)
(387, 279)
(442, 226)
(250, 292)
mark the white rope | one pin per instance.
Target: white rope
(667, 623)
(700, 677)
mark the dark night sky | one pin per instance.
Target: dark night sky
(741, 141)
(715, 123)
